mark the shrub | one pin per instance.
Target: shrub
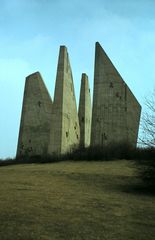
(97, 153)
(146, 168)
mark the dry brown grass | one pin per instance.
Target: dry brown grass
(74, 200)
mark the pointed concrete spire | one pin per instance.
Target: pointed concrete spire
(36, 118)
(65, 133)
(116, 112)
(85, 112)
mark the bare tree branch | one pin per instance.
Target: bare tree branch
(147, 137)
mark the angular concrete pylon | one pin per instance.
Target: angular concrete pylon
(36, 118)
(85, 112)
(116, 112)
(65, 133)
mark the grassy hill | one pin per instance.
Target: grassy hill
(74, 200)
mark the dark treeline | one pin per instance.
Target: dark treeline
(144, 159)
(109, 152)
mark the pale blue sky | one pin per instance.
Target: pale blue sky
(31, 32)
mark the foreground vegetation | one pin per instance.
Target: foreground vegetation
(109, 152)
(74, 200)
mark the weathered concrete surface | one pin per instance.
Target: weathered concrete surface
(116, 112)
(36, 118)
(85, 112)
(65, 132)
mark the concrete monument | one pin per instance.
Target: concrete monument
(65, 132)
(36, 118)
(57, 128)
(85, 112)
(116, 112)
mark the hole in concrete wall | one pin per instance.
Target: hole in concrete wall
(103, 137)
(22, 146)
(71, 87)
(67, 133)
(111, 85)
(117, 94)
(30, 149)
(89, 90)
(98, 120)
(39, 103)
(77, 136)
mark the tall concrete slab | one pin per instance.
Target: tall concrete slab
(36, 118)
(116, 112)
(85, 112)
(65, 133)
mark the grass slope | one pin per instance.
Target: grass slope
(74, 200)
